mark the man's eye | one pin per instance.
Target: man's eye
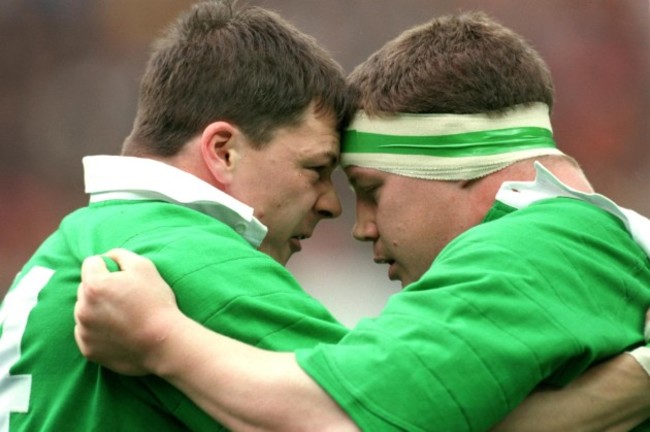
(367, 191)
(319, 169)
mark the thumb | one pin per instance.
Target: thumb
(125, 259)
(93, 266)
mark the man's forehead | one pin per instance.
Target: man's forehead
(323, 150)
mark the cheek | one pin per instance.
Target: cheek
(289, 208)
(277, 197)
(399, 224)
(413, 258)
(399, 236)
(413, 243)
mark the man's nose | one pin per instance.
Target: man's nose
(365, 228)
(329, 204)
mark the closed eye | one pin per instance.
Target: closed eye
(368, 191)
(323, 171)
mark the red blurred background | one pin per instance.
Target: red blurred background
(69, 73)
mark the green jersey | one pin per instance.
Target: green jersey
(532, 295)
(218, 276)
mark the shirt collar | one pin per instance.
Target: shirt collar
(546, 185)
(132, 178)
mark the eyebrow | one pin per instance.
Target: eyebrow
(332, 157)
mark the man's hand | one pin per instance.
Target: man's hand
(128, 321)
(123, 318)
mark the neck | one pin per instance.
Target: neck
(566, 170)
(483, 190)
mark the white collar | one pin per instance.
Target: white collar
(546, 185)
(132, 178)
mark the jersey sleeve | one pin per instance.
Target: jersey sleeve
(489, 321)
(242, 294)
(263, 306)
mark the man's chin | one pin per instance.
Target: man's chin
(282, 257)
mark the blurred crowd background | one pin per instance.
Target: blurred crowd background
(69, 72)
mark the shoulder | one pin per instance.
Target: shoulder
(520, 236)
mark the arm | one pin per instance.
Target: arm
(247, 388)
(272, 391)
(612, 396)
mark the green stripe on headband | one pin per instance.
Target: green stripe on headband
(457, 145)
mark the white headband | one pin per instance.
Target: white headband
(448, 146)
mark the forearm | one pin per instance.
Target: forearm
(612, 396)
(243, 387)
(240, 386)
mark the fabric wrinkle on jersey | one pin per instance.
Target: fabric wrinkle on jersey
(218, 277)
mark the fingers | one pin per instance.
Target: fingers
(92, 266)
(83, 316)
(81, 343)
(94, 271)
(113, 260)
(127, 260)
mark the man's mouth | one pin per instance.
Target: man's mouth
(294, 242)
(392, 267)
(383, 260)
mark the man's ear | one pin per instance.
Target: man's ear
(219, 150)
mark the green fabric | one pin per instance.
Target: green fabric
(481, 143)
(529, 296)
(219, 280)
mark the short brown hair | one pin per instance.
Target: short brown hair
(246, 66)
(462, 64)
